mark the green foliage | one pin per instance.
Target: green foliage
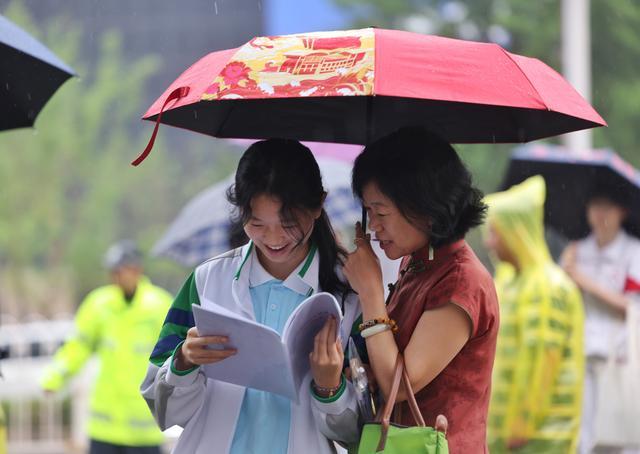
(68, 188)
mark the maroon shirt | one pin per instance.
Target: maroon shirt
(461, 391)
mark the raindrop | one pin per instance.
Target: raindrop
(195, 114)
(215, 6)
(7, 86)
(259, 5)
(29, 96)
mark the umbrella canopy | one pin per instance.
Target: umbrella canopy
(29, 75)
(569, 177)
(358, 85)
(203, 227)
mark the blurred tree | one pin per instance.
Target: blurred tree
(68, 188)
(533, 29)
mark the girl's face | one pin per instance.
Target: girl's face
(605, 217)
(398, 237)
(281, 245)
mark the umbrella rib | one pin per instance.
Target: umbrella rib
(225, 120)
(526, 77)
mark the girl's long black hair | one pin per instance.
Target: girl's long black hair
(286, 169)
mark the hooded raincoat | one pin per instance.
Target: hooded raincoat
(539, 368)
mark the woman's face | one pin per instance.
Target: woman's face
(398, 237)
(281, 244)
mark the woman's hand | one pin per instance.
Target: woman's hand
(327, 356)
(362, 267)
(194, 351)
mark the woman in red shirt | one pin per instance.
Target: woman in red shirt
(421, 203)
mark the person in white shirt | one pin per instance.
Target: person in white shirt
(605, 266)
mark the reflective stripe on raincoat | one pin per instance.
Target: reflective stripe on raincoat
(121, 334)
(539, 368)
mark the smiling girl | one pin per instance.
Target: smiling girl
(292, 254)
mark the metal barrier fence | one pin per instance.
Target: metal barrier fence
(36, 422)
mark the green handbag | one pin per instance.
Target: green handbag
(383, 436)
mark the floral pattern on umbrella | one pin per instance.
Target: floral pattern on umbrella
(314, 64)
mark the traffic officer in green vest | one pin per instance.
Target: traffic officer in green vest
(119, 323)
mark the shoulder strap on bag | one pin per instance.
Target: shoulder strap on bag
(400, 373)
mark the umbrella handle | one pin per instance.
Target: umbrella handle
(178, 93)
(363, 222)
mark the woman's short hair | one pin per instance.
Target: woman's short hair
(424, 177)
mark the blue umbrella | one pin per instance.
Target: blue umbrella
(569, 177)
(29, 75)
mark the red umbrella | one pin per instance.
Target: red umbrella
(358, 85)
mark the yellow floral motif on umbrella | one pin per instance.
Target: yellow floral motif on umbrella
(314, 64)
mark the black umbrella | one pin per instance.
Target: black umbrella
(29, 75)
(569, 177)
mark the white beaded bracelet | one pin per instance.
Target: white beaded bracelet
(375, 329)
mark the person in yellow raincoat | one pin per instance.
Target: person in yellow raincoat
(539, 368)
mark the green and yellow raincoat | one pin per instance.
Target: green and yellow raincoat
(122, 334)
(539, 368)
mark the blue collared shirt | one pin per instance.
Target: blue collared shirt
(265, 418)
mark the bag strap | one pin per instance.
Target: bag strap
(384, 418)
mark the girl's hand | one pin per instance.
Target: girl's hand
(568, 259)
(362, 267)
(194, 351)
(327, 356)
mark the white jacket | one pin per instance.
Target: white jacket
(208, 409)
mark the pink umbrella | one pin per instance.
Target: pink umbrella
(355, 86)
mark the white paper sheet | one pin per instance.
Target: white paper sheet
(264, 361)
